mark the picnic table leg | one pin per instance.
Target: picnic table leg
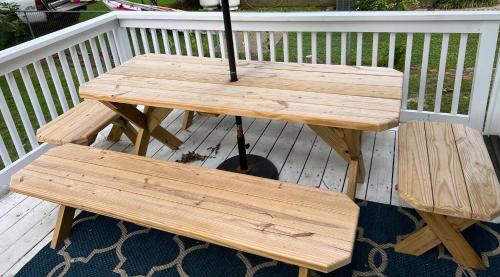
(304, 272)
(188, 119)
(356, 164)
(148, 124)
(122, 126)
(347, 143)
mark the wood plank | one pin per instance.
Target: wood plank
(266, 142)
(414, 177)
(181, 213)
(284, 144)
(289, 95)
(252, 134)
(449, 190)
(482, 184)
(367, 148)
(380, 182)
(314, 168)
(16, 213)
(297, 158)
(335, 173)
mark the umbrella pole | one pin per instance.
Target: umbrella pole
(247, 164)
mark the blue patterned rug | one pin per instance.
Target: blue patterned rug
(101, 246)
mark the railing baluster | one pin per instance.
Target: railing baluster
(96, 56)
(187, 43)
(86, 61)
(462, 50)
(105, 52)
(272, 49)
(211, 46)
(114, 48)
(328, 48)
(4, 154)
(135, 42)
(285, 48)
(42, 80)
(359, 49)
(246, 40)
(222, 45)
(16, 95)
(375, 49)
(299, 48)
(166, 44)
(68, 77)
(423, 71)
(392, 49)
(406, 77)
(145, 41)
(199, 43)
(314, 47)
(57, 82)
(441, 73)
(11, 126)
(236, 42)
(28, 84)
(343, 49)
(177, 43)
(258, 38)
(154, 37)
(76, 64)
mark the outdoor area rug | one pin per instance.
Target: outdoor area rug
(101, 246)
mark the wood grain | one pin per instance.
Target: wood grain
(63, 225)
(78, 125)
(414, 179)
(357, 98)
(448, 184)
(277, 220)
(482, 183)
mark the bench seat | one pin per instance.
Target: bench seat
(446, 174)
(79, 125)
(311, 228)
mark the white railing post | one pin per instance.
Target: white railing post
(492, 126)
(482, 75)
(123, 44)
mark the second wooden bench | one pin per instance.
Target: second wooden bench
(311, 228)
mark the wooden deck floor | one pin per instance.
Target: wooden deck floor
(26, 223)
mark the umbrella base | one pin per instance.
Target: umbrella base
(258, 166)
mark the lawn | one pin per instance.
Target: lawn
(434, 57)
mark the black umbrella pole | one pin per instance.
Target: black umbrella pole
(229, 40)
(242, 153)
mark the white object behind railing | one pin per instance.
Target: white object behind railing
(57, 63)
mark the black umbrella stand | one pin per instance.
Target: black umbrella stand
(247, 164)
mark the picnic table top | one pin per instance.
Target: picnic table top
(352, 97)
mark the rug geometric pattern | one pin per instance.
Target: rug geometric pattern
(102, 246)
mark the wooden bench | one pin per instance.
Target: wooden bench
(446, 174)
(311, 228)
(82, 123)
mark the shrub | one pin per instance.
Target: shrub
(12, 30)
(385, 5)
(458, 4)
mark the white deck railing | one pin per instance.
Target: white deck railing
(42, 75)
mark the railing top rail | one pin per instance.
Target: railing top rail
(407, 16)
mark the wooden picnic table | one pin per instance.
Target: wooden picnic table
(337, 102)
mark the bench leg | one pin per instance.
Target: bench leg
(304, 272)
(115, 134)
(444, 230)
(63, 225)
(188, 119)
